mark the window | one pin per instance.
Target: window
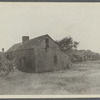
(55, 59)
(47, 43)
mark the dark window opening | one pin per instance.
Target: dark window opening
(47, 43)
(55, 59)
(29, 63)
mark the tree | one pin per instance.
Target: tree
(67, 43)
(70, 48)
(6, 65)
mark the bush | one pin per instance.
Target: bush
(6, 66)
(82, 55)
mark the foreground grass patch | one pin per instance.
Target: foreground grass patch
(80, 79)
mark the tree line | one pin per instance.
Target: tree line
(69, 46)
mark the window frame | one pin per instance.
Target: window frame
(47, 42)
(55, 59)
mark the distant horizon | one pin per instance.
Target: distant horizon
(81, 21)
(53, 39)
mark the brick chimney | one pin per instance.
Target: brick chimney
(2, 49)
(25, 38)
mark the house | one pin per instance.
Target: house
(39, 54)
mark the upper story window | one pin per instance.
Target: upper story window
(47, 43)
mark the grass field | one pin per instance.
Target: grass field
(82, 78)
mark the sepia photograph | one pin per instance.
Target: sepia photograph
(49, 48)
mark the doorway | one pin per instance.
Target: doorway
(23, 62)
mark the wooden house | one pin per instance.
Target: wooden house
(39, 54)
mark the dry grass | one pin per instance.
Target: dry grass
(82, 78)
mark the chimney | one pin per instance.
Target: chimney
(25, 38)
(2, 49)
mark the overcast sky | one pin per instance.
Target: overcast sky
(81, 21)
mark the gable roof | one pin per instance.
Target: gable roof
(28, 44)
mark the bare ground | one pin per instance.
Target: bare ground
(82, 78)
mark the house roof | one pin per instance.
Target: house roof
(28, 44)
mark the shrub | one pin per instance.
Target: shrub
(6, 66)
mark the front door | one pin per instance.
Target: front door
(22, 62)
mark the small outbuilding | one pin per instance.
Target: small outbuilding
(39, 54)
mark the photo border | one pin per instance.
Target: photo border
(51, 97)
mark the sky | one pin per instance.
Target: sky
(81, 21)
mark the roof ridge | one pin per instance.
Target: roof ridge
(38, 37)
(28, 44)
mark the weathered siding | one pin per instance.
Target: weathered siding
(29, 59)
(44, 60)
(40, 59)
